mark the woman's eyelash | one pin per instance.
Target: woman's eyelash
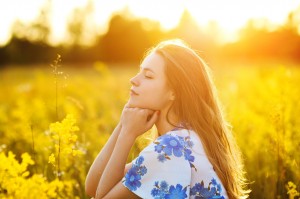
(148, 77)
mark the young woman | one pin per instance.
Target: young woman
(194, 155)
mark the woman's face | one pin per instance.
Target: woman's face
(149, 87)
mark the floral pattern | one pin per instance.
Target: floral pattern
(163, 190)
(133, 176)
(165, 169)
(211, 192)
(168, 145)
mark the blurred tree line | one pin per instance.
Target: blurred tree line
(127, 39)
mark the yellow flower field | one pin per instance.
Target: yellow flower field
(53, 124)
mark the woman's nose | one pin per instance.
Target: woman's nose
(134, 81)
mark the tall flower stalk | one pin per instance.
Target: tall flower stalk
(56, 66)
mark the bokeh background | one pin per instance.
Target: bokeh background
(64, 79)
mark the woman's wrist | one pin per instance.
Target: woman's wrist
(126, 135)
(118, 128)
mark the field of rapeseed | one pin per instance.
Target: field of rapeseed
(54, 121)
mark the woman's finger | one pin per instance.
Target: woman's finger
(152, 119)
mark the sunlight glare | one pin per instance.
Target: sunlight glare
(16, 9)
(103, 11)
(60, 13)
(231, 15)
(227, 16)
(167, 12)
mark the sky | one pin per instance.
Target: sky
(230, 15)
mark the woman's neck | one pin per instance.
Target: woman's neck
(162, 125)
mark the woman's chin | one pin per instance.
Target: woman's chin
(134, 103)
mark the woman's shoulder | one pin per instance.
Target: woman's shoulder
(181, 145)
(178, 138)
(188, 138)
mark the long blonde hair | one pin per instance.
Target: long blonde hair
(197, 106)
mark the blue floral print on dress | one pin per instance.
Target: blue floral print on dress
(211, 192)
(168, 145)
(165, 169)
(163, 190)
(133, 176)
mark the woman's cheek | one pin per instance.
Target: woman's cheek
(156, 101)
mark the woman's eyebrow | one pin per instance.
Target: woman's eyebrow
(147, 69)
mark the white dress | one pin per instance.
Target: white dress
(174, 166)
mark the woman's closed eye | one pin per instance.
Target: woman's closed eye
(148, 77)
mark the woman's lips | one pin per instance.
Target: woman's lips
(132, 92)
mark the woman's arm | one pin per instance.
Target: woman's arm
(99, 164)
(134, 123)
(114, 170)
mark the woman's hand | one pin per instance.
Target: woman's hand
(136, 121)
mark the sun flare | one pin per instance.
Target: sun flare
(229, 16)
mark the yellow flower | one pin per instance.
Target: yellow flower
(26, 159)
(72, 138)
(76, 152)
(52, 159)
